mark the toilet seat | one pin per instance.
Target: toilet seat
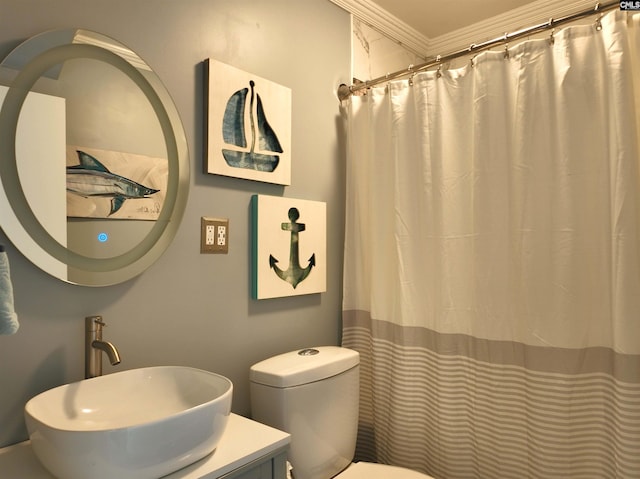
(368, 470)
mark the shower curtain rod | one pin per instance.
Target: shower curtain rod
(345, 91)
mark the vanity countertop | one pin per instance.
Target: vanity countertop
(243, 441)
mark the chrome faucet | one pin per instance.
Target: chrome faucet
(95, 346)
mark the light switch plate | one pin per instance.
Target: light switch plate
(214, 235)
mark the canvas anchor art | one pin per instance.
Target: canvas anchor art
(295, 273)
(273, 239)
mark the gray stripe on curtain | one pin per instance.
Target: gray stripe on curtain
(493, 409)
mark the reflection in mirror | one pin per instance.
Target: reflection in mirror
(98, 195)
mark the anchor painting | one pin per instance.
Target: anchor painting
(294, 274)
(288, 229)
(248, 125)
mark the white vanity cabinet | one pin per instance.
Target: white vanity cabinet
(247, 450)
(272, 466)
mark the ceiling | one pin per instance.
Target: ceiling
(433, 18)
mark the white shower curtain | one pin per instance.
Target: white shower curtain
(492, 261)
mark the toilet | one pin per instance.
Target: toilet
(313, 394)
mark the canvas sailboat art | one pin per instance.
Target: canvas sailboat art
(263, 151)
(248, 125)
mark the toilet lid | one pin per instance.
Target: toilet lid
(368, 470)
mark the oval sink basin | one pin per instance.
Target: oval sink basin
(137, 424)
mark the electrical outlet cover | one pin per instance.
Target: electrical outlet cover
(214, 235)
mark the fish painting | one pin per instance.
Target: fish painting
(92, 178)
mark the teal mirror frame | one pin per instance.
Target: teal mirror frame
(51, 49)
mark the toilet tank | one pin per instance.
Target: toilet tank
(313, 395)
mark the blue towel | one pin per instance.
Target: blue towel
(8, 317)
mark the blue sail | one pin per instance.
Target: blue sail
(234, 134)
(268, 139)
(233, 120)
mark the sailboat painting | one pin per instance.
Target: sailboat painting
(248, 125)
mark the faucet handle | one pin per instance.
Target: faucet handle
(91, 320)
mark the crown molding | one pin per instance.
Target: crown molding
(518, 18)
(536, 12)
(389, 25)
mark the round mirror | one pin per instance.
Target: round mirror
(93, 158)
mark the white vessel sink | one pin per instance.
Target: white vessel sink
(137, 424)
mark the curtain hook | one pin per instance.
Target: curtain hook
(439, 62)
(410, 70)
(599, 23)
(552, 39)
(473, 58)
(367, 88)
(505, 39)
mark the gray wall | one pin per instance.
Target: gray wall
(192, 309)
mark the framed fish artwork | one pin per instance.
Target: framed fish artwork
(248, 131)
(114, 185)
(289, 247)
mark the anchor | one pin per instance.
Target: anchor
(294, 274)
